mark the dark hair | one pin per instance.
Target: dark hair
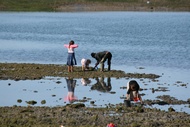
(71, 43)
(134, 86)
(93, 54)
(88, 61)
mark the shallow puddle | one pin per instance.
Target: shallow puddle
(98, 92)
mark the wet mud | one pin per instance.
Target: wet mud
(77, 114)
(15, 71)
(73, 115)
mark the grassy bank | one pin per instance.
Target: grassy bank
(94, 5)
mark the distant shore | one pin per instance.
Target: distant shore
(95, 5)
(118, 6)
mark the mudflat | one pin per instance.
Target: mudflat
(24, 71)
(77, 114)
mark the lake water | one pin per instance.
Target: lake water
(157, 41)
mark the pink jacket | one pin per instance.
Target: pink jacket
(71, 48)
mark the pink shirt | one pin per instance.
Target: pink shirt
(71, 48)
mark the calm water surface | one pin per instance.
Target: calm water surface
(134, 38)
(158, 42)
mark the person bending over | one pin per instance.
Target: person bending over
(101, 57)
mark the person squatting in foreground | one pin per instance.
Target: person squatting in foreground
(101, 57)
(133, 92)
(85, 64)
(71, 60)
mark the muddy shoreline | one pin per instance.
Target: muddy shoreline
(77, 114)
(87, 6)
(23, 71)
(119, 6)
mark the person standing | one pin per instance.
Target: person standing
(71, 60)
(101, 57)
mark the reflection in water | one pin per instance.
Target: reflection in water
(71, 83)
(102, 86)
(85, 81)
(25, 90)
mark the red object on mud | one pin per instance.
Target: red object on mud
(111, 125)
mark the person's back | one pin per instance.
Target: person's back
(100, 55)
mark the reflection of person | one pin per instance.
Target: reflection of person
(101, 86)
(85, 64)
(101, 57)
(133, 91)
(85, 81)
(71, 60)
(71, 83)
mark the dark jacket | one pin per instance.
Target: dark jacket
(98, 56)
(102, 56)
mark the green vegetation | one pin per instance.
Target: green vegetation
(26, 5)
(53, 5)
